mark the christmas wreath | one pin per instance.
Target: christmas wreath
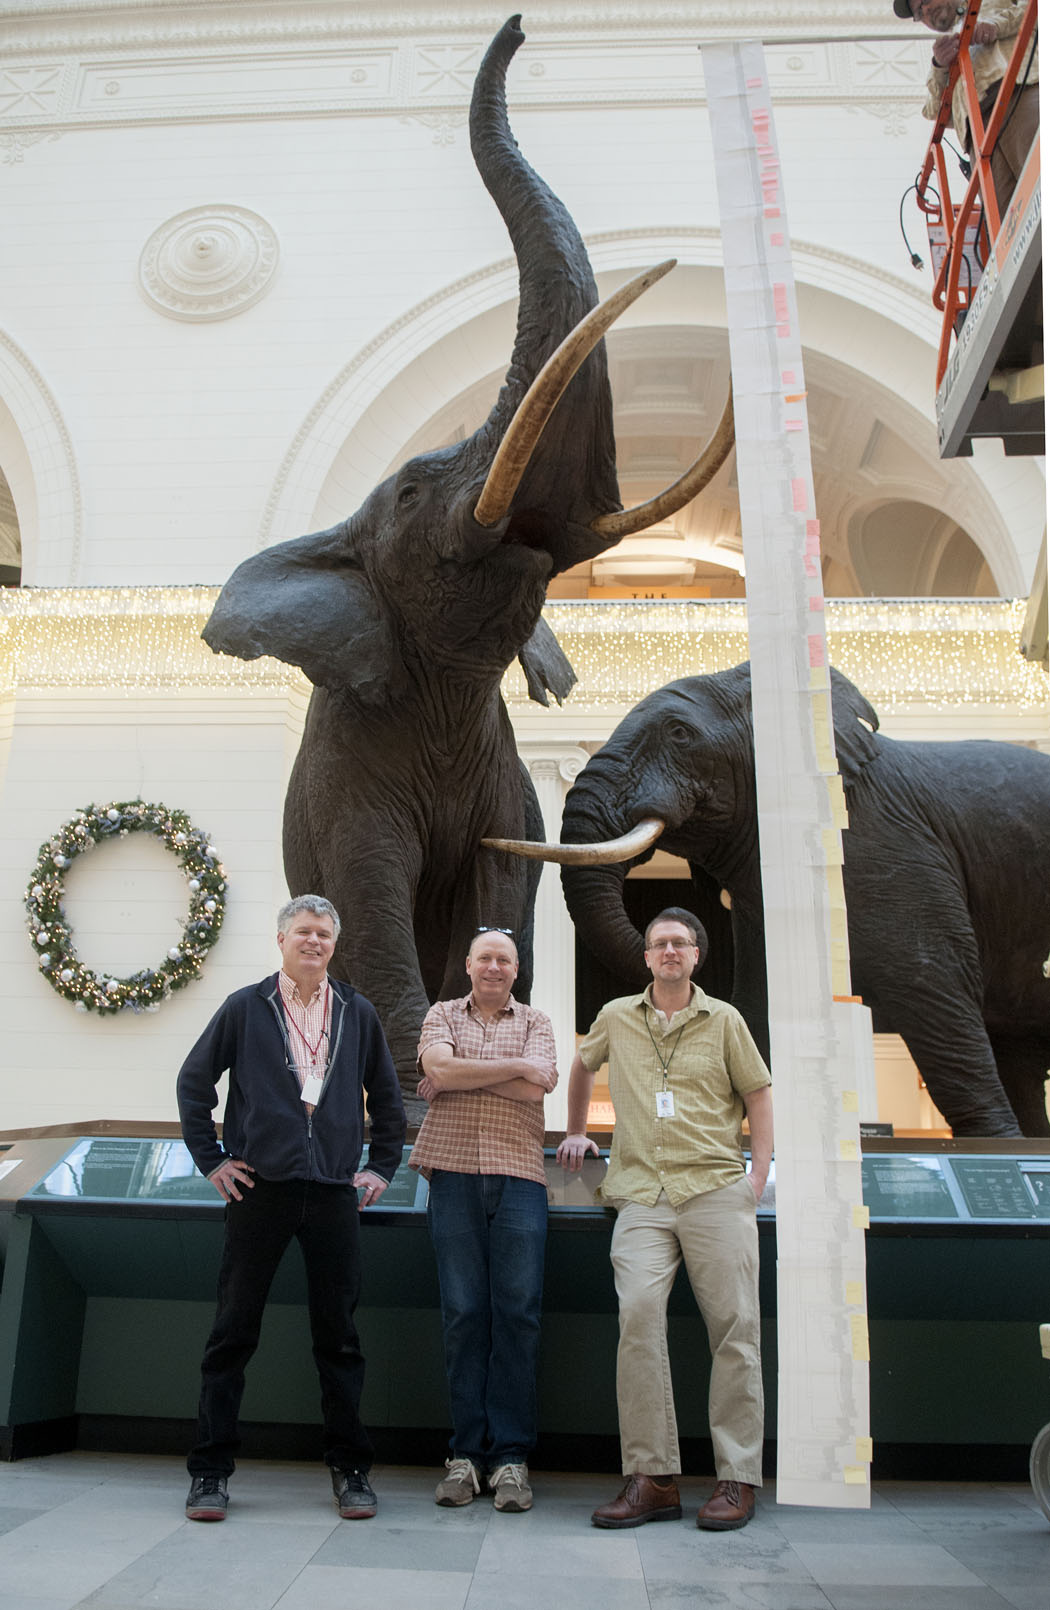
(53, 941)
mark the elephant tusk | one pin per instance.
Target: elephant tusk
(610, 853)
(680, 492)
(537, 405)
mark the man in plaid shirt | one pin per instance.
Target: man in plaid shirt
(487, 1060)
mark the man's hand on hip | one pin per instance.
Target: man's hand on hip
(573, 1150)
(371, 1187)
(229, 1175)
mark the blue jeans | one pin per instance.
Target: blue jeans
(489, 1233)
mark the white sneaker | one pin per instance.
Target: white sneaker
(510, 1485)
(459, 1486)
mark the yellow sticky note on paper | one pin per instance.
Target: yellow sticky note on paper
(854, 1292)
(858, 1330)
(855, 1475)
(837, 800)
(822, 732)
(848, 1150)
(850, 1101)
(861, 1216)
(831, 839)
(865, 1451)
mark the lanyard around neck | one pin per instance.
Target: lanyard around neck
(664, 1065)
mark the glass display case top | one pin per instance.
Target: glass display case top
(898, 1186)
(121, 1170)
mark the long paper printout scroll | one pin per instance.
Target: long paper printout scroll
(816, 1032)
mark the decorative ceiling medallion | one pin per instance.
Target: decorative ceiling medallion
(208, 263)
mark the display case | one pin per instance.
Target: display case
(112, 1246)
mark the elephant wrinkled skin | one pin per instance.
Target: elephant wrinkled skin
(945, 875)
(406, 615)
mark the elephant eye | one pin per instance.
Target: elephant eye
(678, 733)
(408, 495)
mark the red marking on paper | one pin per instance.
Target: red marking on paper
(788, 376)
(799, 494)
(817, 603)
(793, 424)
(812, 566)
(812, 528)
(776, 239)
(771, 212)
(816, 651)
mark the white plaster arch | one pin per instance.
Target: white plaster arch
(861, 317)
(37, 454)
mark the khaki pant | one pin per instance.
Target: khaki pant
(717, 1235)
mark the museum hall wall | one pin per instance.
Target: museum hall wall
(254, 267)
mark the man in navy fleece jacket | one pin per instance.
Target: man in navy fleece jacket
(303, 1051)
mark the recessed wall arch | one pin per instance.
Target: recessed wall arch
(905, 548)
(37, 456)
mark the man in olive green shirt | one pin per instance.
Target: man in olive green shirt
(683, 1070)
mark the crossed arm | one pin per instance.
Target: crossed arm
(514, 1078)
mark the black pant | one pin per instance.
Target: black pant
(324, 1219)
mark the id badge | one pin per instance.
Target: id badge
(665, 1104)
(311, 1091)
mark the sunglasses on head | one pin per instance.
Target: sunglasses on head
(487, 928)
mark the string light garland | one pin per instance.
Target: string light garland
(49, 927)
(948, 653)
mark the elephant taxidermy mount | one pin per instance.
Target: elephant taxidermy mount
(947, 898)
(406, 616)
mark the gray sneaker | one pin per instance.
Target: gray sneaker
(459, 1486)
(207, 1499)
(510, 1485)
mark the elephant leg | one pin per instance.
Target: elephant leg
(374, 895)
(497, 889)
(536, 830)
(495, 893)
(917, 964)
(302, 868)
(946, 1036)
(1022, 1064)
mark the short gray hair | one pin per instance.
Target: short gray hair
(307, 902)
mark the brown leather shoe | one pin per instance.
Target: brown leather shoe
(641, 1499)
(732, 1504)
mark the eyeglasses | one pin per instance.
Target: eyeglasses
(487, 928)
(675, 944)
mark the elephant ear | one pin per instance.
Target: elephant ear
(855, 724)
(546, 666)
(308, 603)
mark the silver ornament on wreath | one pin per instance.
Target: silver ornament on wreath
(52, 938)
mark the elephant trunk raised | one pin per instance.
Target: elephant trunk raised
(556, 289)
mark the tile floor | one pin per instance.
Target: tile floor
(106, 1532)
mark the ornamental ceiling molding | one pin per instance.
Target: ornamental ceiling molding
(427, 76)
(344, 403)
(50, 553)
(208, 263)
(134, 25)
